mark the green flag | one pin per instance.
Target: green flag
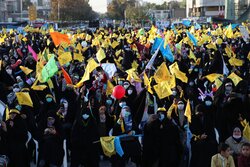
(49, 69)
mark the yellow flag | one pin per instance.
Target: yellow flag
(1, 40)
(211, 46)
(48, 42)
(248, 56)
(132, 75)
(229, 51)
(246, 130)
(191, 55)
(64, 58)
(163, 90)
(174, 69)
(171, 81)
(188, 112)
(51, 29)
(114, 44)
(166, 40)
(219, 31)
(39, 67)
(218, 83)
(235, 62)
(117, 53)
(23, 98)
(50, 83)
(162, 73)
(7, 113)
(198, 61)
(100, 55)
(64, 45)
(213, 77)
(192, 30)
(90, 67)
(229, 32)
(110, 88)
(78, 56)
(147, 83)
(26, 70)
(38, 87)
(79, 47)
(235, 78)
(108, 145)
(135, 65)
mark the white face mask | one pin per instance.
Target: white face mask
(228, 88)
(180, 106)
(9, 71)
(174, 92)
(126, 86)
(122, 104)
(85, 116)
(161, 117)
(125, 113)
(130, 92)
(236, 136)
(191, 83)
(16, 90)
(208, 103)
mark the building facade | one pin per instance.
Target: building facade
(17, 10)
(205, 8)
(235, 8)
(3, 11)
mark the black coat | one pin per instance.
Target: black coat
(161, 144)
(203, 150)
(16, 139)
(84, 140)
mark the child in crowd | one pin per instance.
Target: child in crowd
(223, 158)
(244, 157)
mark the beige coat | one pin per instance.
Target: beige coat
(219, 161)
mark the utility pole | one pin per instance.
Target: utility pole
(58, 9)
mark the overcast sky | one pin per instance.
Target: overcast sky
(101, 5)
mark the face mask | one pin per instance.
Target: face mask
(161, 117)
(18, 107)
(130, 92)
(16, 90)
(180, 106)
(208, 103)
(9, 71)
(126, 86)
(120, 82)
(237, 136)
(108, 102)
(122, 104)
(174, 92)
(125, 113)
(191, 83)
(228, 88)
(85, 116)
(21, 84)
(49, 99)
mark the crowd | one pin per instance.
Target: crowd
(173, 97)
